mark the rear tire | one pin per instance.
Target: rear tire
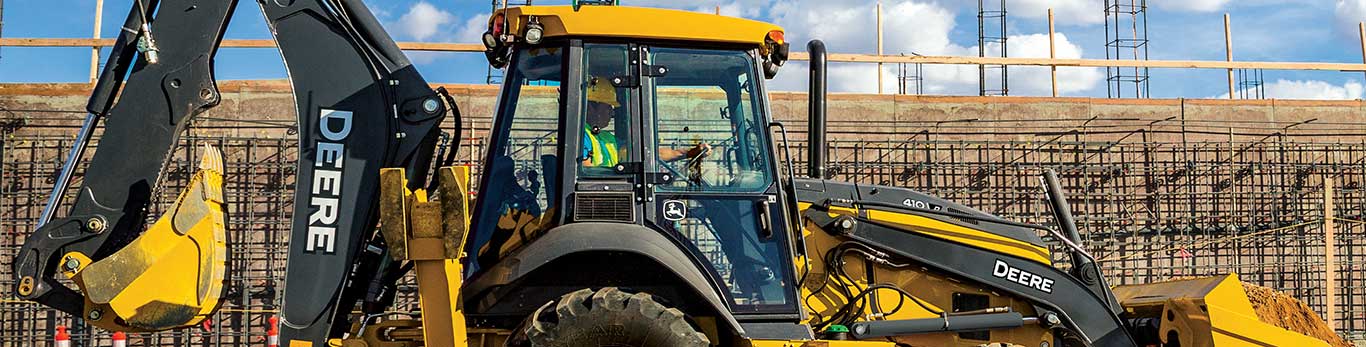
(610, 317)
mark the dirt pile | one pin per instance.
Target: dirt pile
(1281, 309)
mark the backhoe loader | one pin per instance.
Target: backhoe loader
(636, 192)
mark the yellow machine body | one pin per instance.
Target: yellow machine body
(637, 23)
(935, 290)
(1229, 322)
(171, 276)
(1206, 312)
(429, 231)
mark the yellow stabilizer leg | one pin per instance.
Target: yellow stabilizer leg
(172, 275)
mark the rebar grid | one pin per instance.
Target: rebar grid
(992, 80)
(1126, 38)
(1150, 209)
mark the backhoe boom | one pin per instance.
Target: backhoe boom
(360, 104)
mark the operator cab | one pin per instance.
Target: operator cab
(662, 128)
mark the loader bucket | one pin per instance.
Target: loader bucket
(1204, 312)
(171, 276)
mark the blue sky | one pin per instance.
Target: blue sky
(1272, 30)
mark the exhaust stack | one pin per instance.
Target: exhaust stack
(815, 126)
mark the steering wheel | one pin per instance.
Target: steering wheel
(691, 162)
(672, 172)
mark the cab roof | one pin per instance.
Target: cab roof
(639, 23)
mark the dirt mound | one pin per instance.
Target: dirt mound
(1281, 309)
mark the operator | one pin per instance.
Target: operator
(601, 148)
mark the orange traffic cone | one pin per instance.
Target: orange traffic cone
(120, 339)
(273, 332)
(62, 339)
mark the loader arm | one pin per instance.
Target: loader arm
(361, 106)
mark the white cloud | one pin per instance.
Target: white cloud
(379, 12)
(472, 30)
(1311, 90)
(423, 21)
(847, 27)
(1191, 5)
(735, 8)
(426, 22)
(1347, 15)
(1037, 80)
(729, 9)
(1065, 12)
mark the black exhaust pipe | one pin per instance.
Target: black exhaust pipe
(815, 126)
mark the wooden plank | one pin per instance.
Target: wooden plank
(95, 51)
(1052, 52)
(1161, 64)
(253, 43)
(878, 11)
(1361, 30)
(441, 47)
(802, 56)
(1228, 54)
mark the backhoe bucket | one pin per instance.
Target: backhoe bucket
(1204, 312)
(172, 275)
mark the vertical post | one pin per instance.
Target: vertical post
(718, 10)
(95, 50)
(2, 18)
(981, 47)
(1228, 54)
(879, 46)
(1052, 53)
(1361, 30)
(1330, 274)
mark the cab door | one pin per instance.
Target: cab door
(603, 126)
(710, 174)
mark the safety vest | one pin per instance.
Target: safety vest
(601, 148)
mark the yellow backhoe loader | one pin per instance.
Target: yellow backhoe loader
(636, 192)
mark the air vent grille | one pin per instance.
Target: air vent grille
(604, 207)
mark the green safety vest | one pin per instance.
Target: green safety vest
(600, 149)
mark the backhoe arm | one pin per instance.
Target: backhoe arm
(156, 104)
(360, 106)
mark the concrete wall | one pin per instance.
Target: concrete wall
(853, 116)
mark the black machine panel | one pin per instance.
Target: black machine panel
(361, 106)
(1052, 290)
(366, 108)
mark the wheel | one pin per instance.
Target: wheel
(609, 317)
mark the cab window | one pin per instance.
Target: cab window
(517, 202)
(708, 130)
(606, 128)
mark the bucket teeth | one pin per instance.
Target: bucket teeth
(212, 160)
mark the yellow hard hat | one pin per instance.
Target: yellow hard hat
(599, 90)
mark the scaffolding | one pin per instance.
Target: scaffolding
(1154, 201)
(2, 25)
(1126, 37)
(1250, 85)
(991, 31)
(910, 78)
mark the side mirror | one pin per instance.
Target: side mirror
(770, 69)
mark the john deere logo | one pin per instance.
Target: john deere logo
(675, 210)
